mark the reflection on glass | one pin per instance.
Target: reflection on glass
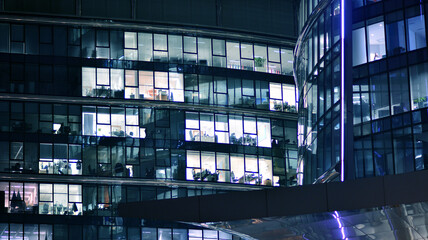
(395, 38)
(418, 83)
(359, 46)
(416, 32)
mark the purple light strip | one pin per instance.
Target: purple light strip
(342, 91)
(339, 222)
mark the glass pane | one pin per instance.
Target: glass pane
(131, 78)
(103, 76)
(247, 50)
(273, 53)
(233, 56)
(4, 38)
(146, 85)
(263, 133)
(359, 47)
(219, 47)
(418, 83)
(379, 96)
(250, 125)
(204, 51)
(102, 38)
(193, 159)
(265, 170)
(416, 32)
(260, 58)
(251, 163)
(161, 80)
(236, 129)
(160, 42)
(176, 85)
(395, 38)
(207, 127)
(175, 48)
(237, 168)
(208, 164)
(88, 81)
(130, 40)
(376, 41)
(221, 123)
(190, 44)
(287, 61)
(145, 47)
(222, 161)
(399, 87)
(192, 120)
(117, 82)
(288, 96)
(118, 122)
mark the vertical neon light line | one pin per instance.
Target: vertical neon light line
(342, 91)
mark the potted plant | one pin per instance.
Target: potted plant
(259, 62)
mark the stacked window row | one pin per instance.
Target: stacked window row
(62, 80)
(205, 52)
(392, 93)
(392, 145)
(389, 35)
(107, 231)
(103, 121)
(89, 200)
(190, 88)
(152, 47)
(43, 198)
(133, 161)
(221, 128)
(125, 122)
(237, 168)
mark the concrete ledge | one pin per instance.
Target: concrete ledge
(296, 200)
(406, 188)
(274, 202)
(184, 209)
(234, 206)
(355, 194)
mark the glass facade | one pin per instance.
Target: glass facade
(112, 229)
(318, 76)
(388, 89)
(93, 117)
(92, 43)
(134, 142)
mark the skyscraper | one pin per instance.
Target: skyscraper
(360, 70)
(106, 102)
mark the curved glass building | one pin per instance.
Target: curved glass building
(102, 103)
(360, 70)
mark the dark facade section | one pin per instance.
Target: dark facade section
(63, 7)
(273, 17)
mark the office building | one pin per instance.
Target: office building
(361, 71)
(360, 67)
(105, 102)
